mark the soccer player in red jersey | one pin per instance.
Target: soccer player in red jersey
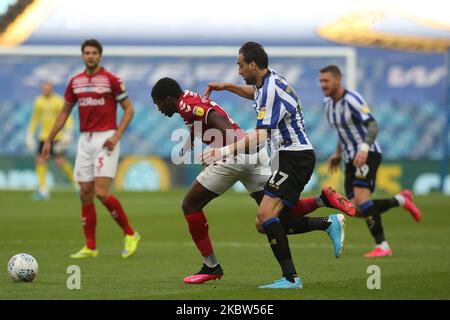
(97, 92)
(218, 130)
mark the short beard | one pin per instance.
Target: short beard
(332, 93)
(93, 67)
(250, 81)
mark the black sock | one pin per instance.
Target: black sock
(280, 246)
(373, 220)
(325, 200)
(296, 225)
(385, 204)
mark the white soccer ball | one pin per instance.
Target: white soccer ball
(23, 267)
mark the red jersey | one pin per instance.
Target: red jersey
(193, 107)
(97, 96)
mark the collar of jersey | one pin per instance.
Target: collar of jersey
(266, 76)
(93, 75)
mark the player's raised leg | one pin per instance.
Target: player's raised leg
(89, 220)
(296, 224)
(102, 185)
(333, 225)
(403, 200)
(328, 198)
(197, 197)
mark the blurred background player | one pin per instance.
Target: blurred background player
(279, 118)
(97, 92)
(349, 115)
(47, 106)
(253, 170)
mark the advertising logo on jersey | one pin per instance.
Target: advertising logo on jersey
(91, 102)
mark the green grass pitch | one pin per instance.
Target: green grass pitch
(51, 230)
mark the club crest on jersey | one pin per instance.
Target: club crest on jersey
(261, 113)
(366, 109)
(198, 111)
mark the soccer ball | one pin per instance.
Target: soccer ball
(23, 267)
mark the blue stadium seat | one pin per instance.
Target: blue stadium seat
(150, 131)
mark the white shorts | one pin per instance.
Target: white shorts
(220, 176)
(93, 160)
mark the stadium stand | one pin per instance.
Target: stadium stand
(409, 111)
(420, 141)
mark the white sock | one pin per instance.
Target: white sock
(319, 202)
(384, 245)
(400, 199)
(210, 261)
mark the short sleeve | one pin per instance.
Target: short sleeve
(359, 108)
(69, 96)
(195, 112)
(119, 89)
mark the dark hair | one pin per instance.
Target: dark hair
(166, 87)
(253, 51)
(333, 69)
(92, 43)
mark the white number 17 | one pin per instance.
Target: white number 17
(283, 175)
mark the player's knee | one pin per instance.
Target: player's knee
(188, 206)
(60, 161)
(262, 215)
(258, 226)
(86, 196)
(102, 195)
(40, 160)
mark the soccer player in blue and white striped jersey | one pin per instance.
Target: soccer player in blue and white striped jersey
(279, 117)
(356, 127)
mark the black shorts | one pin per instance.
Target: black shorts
(294, 171)
(52, 151)
(364, 177)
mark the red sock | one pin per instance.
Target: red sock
(305, 206)
(89, 219)
(198, 227)
(115, 208)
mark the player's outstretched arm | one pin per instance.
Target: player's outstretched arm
(59, 124)
(128, 109)
(250, 141)
(243, 91)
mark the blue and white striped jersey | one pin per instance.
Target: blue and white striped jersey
(349, 117)
(278, 108)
